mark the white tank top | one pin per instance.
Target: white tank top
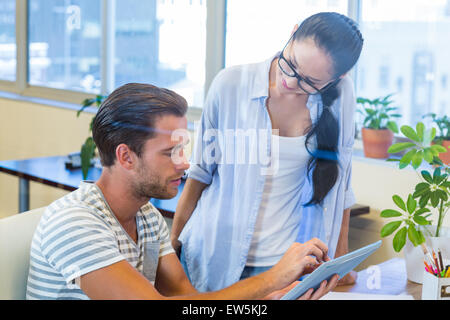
(277, 224)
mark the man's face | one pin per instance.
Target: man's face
(162, 163)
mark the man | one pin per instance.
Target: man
(106, 241)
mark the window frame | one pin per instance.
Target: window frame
(216, 20)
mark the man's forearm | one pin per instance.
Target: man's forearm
(254, 288)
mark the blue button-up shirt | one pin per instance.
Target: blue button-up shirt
(217, 237)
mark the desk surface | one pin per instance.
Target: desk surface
(51, 171)
(393, 281)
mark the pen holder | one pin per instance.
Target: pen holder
(435, 288)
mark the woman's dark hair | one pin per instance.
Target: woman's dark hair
(128, 116)
(341, 39)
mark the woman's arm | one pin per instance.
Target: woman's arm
(186, 204)
(342, 248)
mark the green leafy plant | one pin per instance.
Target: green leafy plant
(432, 193)
(378, 113)
(88, 148)
(443, 124)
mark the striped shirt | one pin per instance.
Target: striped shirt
(79, 233)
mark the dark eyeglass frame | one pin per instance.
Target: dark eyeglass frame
(299, 77)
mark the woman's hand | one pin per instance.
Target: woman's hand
(348, 279)
(325, 287)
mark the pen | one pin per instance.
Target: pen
(428, 270)
(427, 255)
(427, 267)
(436, 262)
(440, 259)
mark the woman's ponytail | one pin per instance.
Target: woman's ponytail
(341, 39)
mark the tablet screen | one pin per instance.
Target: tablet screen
(326, 271)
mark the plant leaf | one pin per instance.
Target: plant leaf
(441, 194)
(399, 202)
(421, 220)
(395, 148)
(434, 199)
(417, 159)
(389, 228)
(421, 237)
(410, 133)
(438, 148)
(420, 128)
(424, 199)
(389, 213)
(408, 156)
(421, 192)
(421, 211)
(427, 176)
(411, 204)
(428, 155)
(436, 175)
(413, 235)
(400, 239)
(392, 126)
(87, 153)
(422, 186)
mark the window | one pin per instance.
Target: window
(404, 39)
(258, 29)
(383, 81)
(162, 43)
(8, 40)
(444, 81)
(78, 48)
(95, 46)
(65, 44)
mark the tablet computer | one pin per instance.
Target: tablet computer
(327, 270)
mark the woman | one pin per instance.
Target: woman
(236, 220)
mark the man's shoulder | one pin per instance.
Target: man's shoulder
(83, 202)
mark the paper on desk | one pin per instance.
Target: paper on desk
(363, 296)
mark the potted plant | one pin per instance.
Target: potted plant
(412, 219)
(378, 126)
(88, 148)
(443, 139)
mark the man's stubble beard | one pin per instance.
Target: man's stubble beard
(149, 185)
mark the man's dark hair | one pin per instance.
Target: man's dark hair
(128, 116)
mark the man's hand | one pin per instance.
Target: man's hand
(324, 288)
(298, 259)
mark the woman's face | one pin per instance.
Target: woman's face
(310, 62)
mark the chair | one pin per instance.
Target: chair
(16, 233)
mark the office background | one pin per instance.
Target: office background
(55, 53)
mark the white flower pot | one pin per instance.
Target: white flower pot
(414, 256)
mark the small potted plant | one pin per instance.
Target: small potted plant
(88, 148)
(378, 127)
(412, 217)
(443, 139)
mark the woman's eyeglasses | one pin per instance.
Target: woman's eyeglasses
(303, 83)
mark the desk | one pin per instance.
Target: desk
(51, 171)
(393, 281)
